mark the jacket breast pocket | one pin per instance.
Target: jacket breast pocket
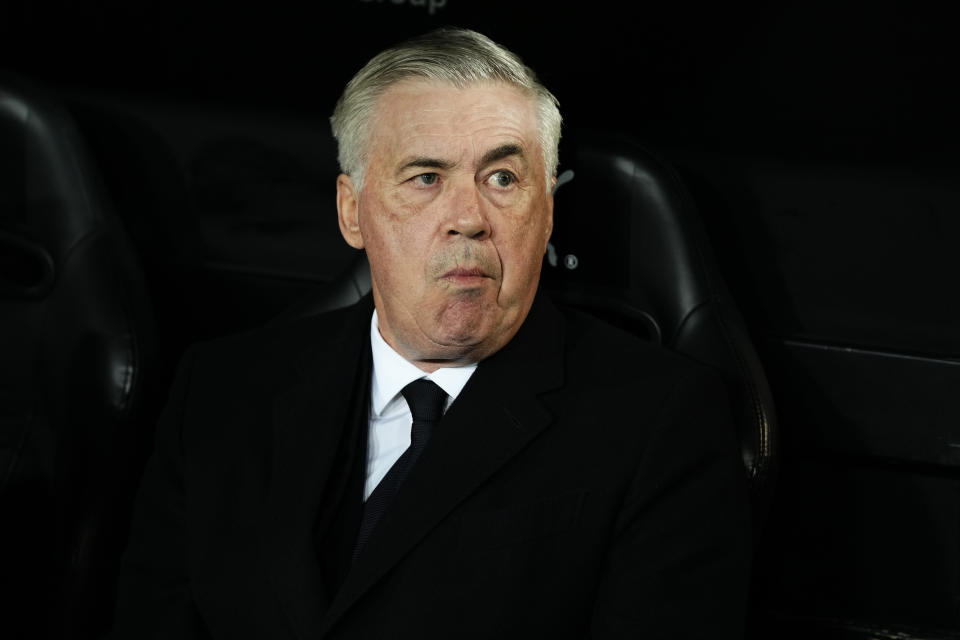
(522, 523)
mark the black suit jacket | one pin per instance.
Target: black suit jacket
(584, 483)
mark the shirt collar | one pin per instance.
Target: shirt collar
(392, 372)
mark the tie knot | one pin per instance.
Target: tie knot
(425, 399)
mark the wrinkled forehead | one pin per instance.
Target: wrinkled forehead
(428, 116)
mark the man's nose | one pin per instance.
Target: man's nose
(466, 215)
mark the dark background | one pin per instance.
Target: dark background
(820, 141)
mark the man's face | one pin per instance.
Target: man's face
(455, 216)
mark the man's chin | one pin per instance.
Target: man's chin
(468, 321)
(473, 339)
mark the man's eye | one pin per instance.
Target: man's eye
(502, 179)
(426, 179)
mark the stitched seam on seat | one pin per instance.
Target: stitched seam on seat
(129, 375)
(757, 405)
(759, 468)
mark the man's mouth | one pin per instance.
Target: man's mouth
(465, 276)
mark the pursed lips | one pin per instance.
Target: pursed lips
(464, 276)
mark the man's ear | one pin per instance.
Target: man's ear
(348, 211)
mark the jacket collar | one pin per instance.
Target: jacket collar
(494, 418)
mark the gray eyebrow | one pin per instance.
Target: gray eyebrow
(426, 163)
(501, 152)
(495, 154)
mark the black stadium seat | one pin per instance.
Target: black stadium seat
(629, 246)
(76, 336)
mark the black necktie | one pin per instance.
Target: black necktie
(426, 402)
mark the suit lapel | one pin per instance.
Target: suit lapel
(309, 426)
(496, 415)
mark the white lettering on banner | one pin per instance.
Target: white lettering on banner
(432, 5)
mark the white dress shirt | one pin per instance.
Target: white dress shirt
(390, 418)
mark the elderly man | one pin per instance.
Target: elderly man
(455, 457)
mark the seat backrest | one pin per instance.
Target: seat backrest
(629, 246)
(76, 336)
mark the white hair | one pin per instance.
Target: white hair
(459, 57)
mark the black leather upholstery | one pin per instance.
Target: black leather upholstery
(629, 246)
(76, 336)
(641, 259)
(348, 287)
